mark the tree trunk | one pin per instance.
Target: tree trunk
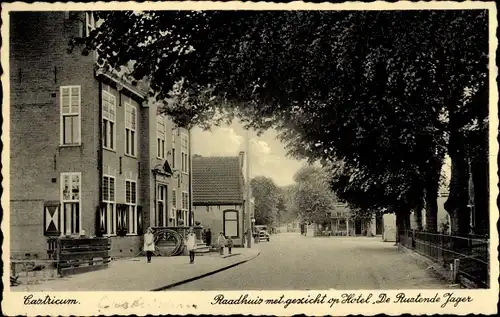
(402, 223)
(431, 208)
(418, 215)
(456, 204)
(480, 178)
(398, 225)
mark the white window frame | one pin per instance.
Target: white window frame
(130, 150)
(70, 113)
(110, 212)
(185, 209)
(184, 151)
(173, 208)
(64, 228)
(131, 208)
(109, 122)
(226, 221)
(160, 141)
(162, 188)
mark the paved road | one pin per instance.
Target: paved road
(294, 262)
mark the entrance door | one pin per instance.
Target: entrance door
(161, 209)
(357, 227)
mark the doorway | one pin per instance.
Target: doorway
(357, 227)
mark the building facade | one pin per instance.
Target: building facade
(218, 196)
(89, 154)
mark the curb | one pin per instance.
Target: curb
(197, 277)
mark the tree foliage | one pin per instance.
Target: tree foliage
(312, 198)
(266, 194)
(385, 93)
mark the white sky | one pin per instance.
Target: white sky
(267, 154)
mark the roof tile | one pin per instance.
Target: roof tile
(217, 180)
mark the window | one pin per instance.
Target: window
(185, 207)
(184, 151)
(185, 201)
(174, 203)
(108, 198)
(89, 23)
(70, 197)
(130, 126)
(131, 202)
(173, 158)
(70, 114)
(231, 227)
(108, 120)
(179, 216)
(160, 136)
(162, 206)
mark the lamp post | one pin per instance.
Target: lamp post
(251, 227)
(248, 190)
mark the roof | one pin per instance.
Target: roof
(217, 180)
(343, 209)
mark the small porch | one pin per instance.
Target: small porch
(337, 226)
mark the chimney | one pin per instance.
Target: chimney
(242, 158)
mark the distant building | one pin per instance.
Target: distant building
(218, 195)
(342, 224)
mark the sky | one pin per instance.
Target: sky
(267, 154)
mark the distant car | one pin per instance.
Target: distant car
(264, 236)
(262, 233)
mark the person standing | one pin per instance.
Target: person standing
(221, 242)
(229, 244)
(208, 237)
(149, 244)
(191, 244)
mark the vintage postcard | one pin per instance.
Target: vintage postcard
(249, 158)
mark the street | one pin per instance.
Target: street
(294, 262)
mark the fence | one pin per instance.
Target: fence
(78, 255)
(472, 253)
(28, 268)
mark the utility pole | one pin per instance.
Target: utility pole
(190, 193)
(248, 190)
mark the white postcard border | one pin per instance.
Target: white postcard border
(143, 303)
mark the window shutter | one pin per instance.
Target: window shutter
(124, 221)
(102, 220)
(51, 218)
(121, 226)
(140, 220)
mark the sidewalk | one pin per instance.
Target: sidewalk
(135, 274)
(428, 264)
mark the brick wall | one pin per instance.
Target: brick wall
(39, 65)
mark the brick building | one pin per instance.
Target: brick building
(88, 152)
(218, 195)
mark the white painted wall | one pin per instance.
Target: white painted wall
(389, 221)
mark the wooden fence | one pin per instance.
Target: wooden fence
(79, 255)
